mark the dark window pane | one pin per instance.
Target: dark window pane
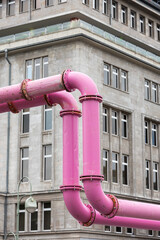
(47, 220)
(34, 221)
(22, 221)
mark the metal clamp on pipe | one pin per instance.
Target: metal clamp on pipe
(72, 112)
(49, 103)
(92, 177)
(24, 89)
(71, 187)
(115, 206)
(92, 218)
(90, 97)
(12, 107)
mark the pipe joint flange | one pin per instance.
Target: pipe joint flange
(49, 103)
(92, 217)
(115, 206)
(92, 177)
(65, 80)
(12, 107)
(70, 112)
(71, 187)
(24, 90)
(91, 97)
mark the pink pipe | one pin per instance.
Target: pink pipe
(66, 100)
(32, 88)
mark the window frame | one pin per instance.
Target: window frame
(115, 119)
(47, 4)
(21, 6)
(105, 7)
(133, 20)
(46, 210)
(142, 24)
(114, 10)
(105, 119)
(154, 95)
(146, 132)
(36, 211)
(46, 158)
(1, 6)
(124, 156)
(24, 113)
(147, 174)
(155, 173)
(158, 32)
(124, 81)
(151, 28)
(96, 5)
(22, 162)
(154, 134)
(9, 4)
(22, 211)
(124, 14)
(147, 89)
(106, 161)
(115, 77)
(115, 161)
(124, 125)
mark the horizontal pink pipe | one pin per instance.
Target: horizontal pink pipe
(34, 88)
(65, 99)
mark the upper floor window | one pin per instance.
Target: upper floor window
(29, 69)
(37, 68)
(46, 219)
(147, 90)
(25, 120)
(154, 92)
(115, 77)
(142, 24)
(154, 134)
(36, 4)
(86, 2)
(123, 14)
(24, 5)
(47, 118)
(24, 163)
(49, 3)
(34, 220)
(125, 169)
(105, 164)
(146, 132)
(151, 91)
(129, 230)
(22, 217)
(11, 7)
(105, 119)
(151, 28)
(114, 123)
(133, 19)
(114, 10)
(114, 167)
(118, 230)
(148, 174)
(105, 7)
(62, 1)
(0, 8)
(47, 162)
(107, 228)
(124, 120)
(158, 32)
(96, 4)
(155, 176)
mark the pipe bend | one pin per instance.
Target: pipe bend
(77, 80)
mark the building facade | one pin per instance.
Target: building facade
(117, 44)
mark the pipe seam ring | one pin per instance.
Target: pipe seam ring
(24, 90)
(49, 103)
(115, 206)
(92, 177)
(92, 217)
(70, 112)
(95, 97)
(71, 187)
(64, 80)
(12, 107)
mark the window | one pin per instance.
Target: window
(115, 77)
(36, 4)
(24, 163)
(0, 8)
(158, 32)
(118, 230)
(47, 118)
(146, 132)
(158, 233)
(114, 167)
(86, 2)
(133, 19)
(25, 120)
(105, 119)
(107, 228)
(105, 164)
(124, 81)
(150, 232)
(142, 24)
(105, 6)
(24, 5)
(147, 90)
(154, 92)
(34, 220)
(151, 28)
(62, 1)
(124, 121)
(148, 166)
(45, 67)
(114, 10)
(46, 223)
(114, 123)
(37, 68)
(21, 218)
(154, 134)
(129, 230)
(11, 7)
(123, 14)
(49, 3)
(125, 169)
(155, 176)
(29, 69)
(47, 162)
(96, 4)
(106, 74)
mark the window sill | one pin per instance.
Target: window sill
(24, 135)
(47, 132)
(107, 85)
